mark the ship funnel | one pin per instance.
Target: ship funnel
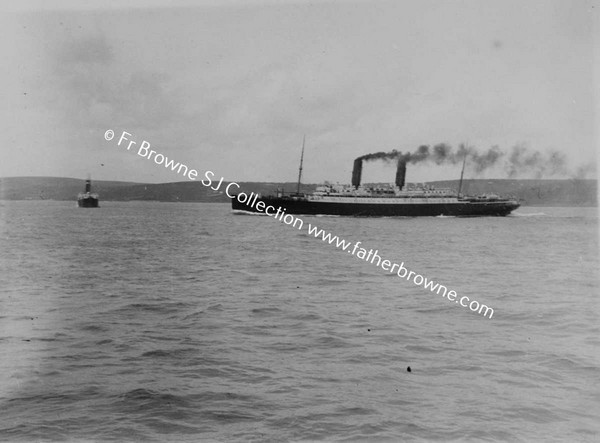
(357, 172)
(401, 173)
(88, 185)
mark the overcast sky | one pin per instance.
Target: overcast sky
(233, 86)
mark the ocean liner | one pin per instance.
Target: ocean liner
(394, 200)
(87, 199)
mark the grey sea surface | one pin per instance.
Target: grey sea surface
(147, 321)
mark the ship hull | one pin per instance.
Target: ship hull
(89, 202)
(455, 209)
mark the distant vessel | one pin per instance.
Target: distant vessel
(88, 199)
(393, 200)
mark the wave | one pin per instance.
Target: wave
(530, 214)
(242, 212)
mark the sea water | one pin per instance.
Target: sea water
(147, 321)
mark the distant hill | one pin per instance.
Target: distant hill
(531, 192)
(534, 192)
(50, 188)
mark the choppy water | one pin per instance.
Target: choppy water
(182, 322)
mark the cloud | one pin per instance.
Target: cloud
(94, 86)
(93, 50)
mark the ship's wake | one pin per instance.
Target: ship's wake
(528, 214)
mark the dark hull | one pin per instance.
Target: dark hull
(460, 209)
(88, 202)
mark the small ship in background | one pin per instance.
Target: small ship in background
(88, 199)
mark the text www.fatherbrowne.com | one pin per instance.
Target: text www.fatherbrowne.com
(374, 258)
(279, 214)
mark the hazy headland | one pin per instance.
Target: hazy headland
(531, 192)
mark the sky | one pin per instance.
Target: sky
(233, 87)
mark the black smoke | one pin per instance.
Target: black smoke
(519, 161)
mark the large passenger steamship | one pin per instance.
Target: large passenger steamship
(398, 199)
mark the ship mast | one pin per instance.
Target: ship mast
(461, 174)
(301, 160)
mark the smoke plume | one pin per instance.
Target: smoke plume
(519, 161)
